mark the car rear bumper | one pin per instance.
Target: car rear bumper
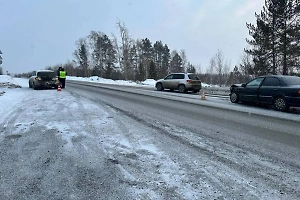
(193, 87)
(46, 84)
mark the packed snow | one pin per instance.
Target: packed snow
(81, 131)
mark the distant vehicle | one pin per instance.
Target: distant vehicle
(183, 82)
(43, 79)
(278, 90)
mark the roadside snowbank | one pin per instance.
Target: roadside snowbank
(7, 82)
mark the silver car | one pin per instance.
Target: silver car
(43, 79)
(183, 82)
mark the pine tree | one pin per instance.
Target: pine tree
(152, 70)
(158, 52)
(190, 68)
(260, 47)
(81, 55)
(176, 63)
(165, 68)
(275, 43)
(147, 55)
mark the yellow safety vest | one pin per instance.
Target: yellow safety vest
(62, 74)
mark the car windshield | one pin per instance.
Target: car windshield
(46, 74)
(193, 77)
(291, 80)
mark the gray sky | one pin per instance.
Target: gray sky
(39, 33)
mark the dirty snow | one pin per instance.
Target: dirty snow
(88, 140)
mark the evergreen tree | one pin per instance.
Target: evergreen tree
(191, 68)
(176, 63)
(81, 56)
(152, 70)
(165, 68)
(147, 55)
(275, 43)
(260, 47)
(158, 52)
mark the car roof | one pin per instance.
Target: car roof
(278, 76)
(45, 70)
(181, 73)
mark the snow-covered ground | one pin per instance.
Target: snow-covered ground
(146, 83)
(42, 136)
(59, 145)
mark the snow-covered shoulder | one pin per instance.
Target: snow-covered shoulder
(147, 82)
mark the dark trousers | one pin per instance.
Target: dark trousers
(62, 82)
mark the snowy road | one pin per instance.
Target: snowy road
(97, 143)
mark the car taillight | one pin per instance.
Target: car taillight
(189, 80)
(298, 91)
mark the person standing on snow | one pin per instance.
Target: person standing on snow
(57, 76)
(62, 77)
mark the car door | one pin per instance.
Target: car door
(249, 92)
(167, 81)
(177, 79)
(270, 88)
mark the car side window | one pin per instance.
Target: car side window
(169, 77)
(255, 82)
(178, 76)
(271, 81)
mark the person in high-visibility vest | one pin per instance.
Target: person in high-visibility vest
(62, 77)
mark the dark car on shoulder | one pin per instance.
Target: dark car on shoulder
(282, 91)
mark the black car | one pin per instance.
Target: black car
(279, 90)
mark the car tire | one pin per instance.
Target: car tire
(280, 104)
(30, 86)
(159, 87)
(234, 97)
(34, 87)
(181, 88)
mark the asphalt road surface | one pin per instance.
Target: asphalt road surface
(159, 146)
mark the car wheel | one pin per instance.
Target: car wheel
(159, 87)
(234, 98)
(34, 87)
(30, 86)
(280, 104)
(181, 89)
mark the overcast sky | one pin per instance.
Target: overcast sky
(39, 33)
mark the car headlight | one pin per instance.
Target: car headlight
(37, 78)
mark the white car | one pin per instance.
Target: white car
(183, 82)
(43, 79)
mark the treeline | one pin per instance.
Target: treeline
(275, 39)
(273, 48)
(125, 58)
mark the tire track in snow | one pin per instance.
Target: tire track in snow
(233, 167)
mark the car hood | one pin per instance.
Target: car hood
(159, 80)
(237, 85)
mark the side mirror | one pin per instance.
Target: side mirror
(244, 85)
